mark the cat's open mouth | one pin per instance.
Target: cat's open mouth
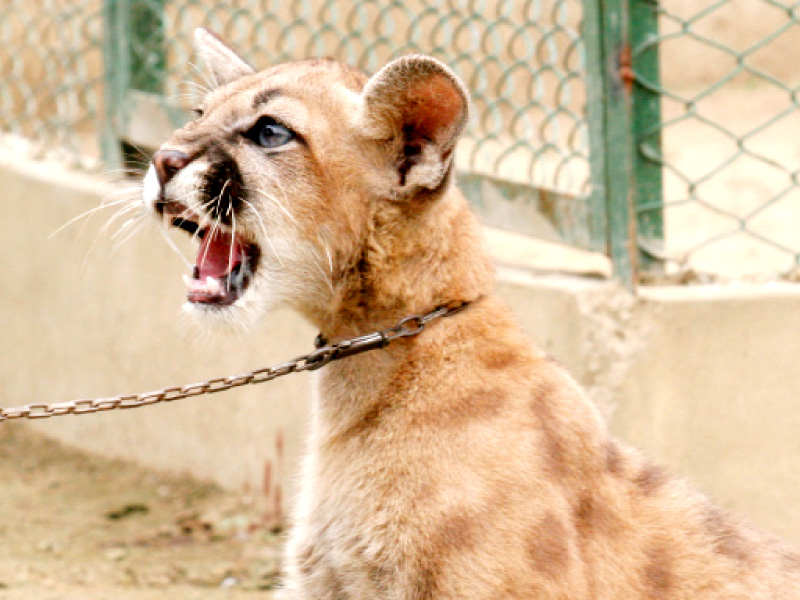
(224, 267)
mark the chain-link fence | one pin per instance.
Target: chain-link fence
(79, 76)
(730, 129)
(520, 60)
(51, 77)
(658, 133)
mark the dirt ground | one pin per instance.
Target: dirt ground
(80, 527)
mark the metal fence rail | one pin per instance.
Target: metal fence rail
(588, 130)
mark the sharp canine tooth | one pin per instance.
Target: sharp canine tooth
(187, 281)
(212, 285)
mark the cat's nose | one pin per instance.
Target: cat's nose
(169, 162)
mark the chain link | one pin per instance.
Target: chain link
(406, 327)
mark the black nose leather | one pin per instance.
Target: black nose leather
(169, 162)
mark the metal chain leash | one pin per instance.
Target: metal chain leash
(407, 327)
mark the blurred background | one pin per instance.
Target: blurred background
(636, 165)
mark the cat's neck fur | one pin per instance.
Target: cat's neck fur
(435, 258)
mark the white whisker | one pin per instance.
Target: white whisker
(121, 212)
(122, 228)
(261, 223)
(222, 193)
(233, 238)
(143, 156)
(330, 260)
(199, 86)
(216, 225)
(275, 252)
(280, 204)
(206, 79)
(264, 231)
(88, 213)
(174, 247)
(135, 226)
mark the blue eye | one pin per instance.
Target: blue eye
(268, 133)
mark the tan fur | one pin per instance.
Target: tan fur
(463, 463)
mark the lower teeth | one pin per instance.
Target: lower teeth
(234, 282)
(212, 285)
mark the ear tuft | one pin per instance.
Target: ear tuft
(423, 106)
(223, 63)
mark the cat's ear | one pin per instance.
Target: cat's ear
(420, 107)
(222, 62)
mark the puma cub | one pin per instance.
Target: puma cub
(462, 463)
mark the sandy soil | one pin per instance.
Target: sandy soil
(79, 527)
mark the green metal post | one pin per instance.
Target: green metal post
(134, 50)
(147, 42)
(116, 75)
(621, 112)
(592, 34)
(606, 29)
(648, 162)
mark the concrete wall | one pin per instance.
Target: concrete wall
(715, 394)
(703, 379)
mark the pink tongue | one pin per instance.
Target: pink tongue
(215, 257)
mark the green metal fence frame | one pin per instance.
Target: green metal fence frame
(128, 24)
(622, 111)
